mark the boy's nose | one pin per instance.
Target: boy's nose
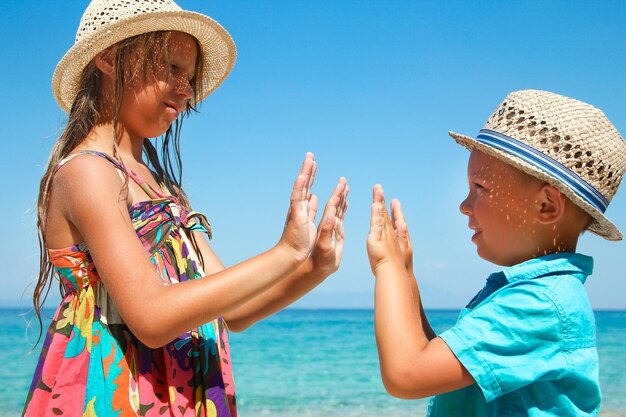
(466, 207)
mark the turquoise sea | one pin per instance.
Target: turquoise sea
(313, 363)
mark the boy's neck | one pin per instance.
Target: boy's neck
(549, 246)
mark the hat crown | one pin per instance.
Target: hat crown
(571, 132)
(107, 22)
(100, 13)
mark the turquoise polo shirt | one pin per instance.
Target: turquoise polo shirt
(528, 338)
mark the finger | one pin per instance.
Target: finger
(401, 219)
(298, 188)
(343, 200)
(339, 195)
(376, 224)
(377, 193)
(299, 191)
(338, 226)
(312, 207)
(376, 230)
(397, 217)
(383, 214)
(407, 236)
(379, 199)
(402, 230)
(335, 199)
(327, 225)
(342, 206)
(305, 169)
(344, 209)
(310, 174)
(311, 178)
(386, 221)
(340, 189)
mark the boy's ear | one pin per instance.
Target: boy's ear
(105, 60)
(552, 204)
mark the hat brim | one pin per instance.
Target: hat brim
(600, 225)
(217, 49)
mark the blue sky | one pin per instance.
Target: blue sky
(371, 87)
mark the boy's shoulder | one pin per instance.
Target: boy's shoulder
(553, 285)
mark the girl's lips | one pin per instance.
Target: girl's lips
(476, 233)
(172, 107)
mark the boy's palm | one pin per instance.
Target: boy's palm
(402, 234)
(382, 244)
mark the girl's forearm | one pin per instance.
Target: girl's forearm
(209, 297)
(276, 298)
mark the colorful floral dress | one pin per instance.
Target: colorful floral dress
(91, 364)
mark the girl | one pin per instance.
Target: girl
(118, 230)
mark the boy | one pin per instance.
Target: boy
(542, 170)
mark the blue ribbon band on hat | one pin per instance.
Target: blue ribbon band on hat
(542, 161)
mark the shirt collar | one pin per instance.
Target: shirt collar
(574, 264)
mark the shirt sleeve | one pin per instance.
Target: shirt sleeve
(509, 340)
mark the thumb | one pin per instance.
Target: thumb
(327, 224)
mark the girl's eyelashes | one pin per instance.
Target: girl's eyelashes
(176, 71)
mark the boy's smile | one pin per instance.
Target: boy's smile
(500, 205)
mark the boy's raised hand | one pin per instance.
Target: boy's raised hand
(402, 233)
(382, 242)
(328, 248)
(299, 232)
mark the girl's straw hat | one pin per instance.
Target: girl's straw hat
(106, 22)
(565, 142)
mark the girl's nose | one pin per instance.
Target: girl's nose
(184, 88)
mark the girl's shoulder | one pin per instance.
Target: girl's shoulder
(85, 187)
(88, 175)
(81, 159)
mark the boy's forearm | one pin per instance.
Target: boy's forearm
(399, 328)
(419, 308)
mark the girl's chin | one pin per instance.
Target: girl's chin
(156, 133)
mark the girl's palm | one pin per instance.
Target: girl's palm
(330, 235)
(299, 233)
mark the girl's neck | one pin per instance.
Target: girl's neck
(101, 138)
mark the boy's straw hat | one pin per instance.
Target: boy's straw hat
(565, 142)
(106, 22)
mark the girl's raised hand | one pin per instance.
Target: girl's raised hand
(299, 232)
(328, 248)
(382, 243)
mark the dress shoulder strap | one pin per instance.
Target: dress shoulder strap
(152, 192)
(109, 158)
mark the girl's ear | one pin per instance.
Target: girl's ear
(105, 61)
(552, 204)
